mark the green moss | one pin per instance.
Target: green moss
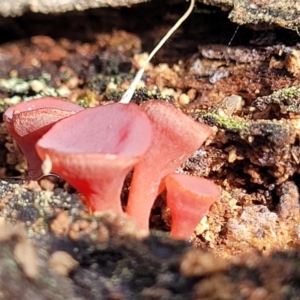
(100, 82)
(140, 95)
(14, 85)
(114, 95)
(231, 124)
(83, 103)
(290, 92)
(15, 90)
(286, 100)
(89, 99)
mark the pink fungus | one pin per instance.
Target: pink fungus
(175, 137)
(28, 121)
(95, 149)
(189, 199)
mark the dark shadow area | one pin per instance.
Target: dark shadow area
(150, 21)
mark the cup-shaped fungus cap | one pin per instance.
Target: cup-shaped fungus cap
(175, 137)
(189, 199)
(95, 149)
(28, 121)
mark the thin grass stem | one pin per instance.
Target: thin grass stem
(130, 91)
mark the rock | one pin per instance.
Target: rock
(284, 13)
(259, 14)
(17, 8)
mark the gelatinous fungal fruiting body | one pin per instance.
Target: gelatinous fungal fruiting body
(189, 199)
(95, 149)
(28, 121)
(175, 137)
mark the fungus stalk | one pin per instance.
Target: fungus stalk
(129, 92)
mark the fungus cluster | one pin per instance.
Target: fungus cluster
(94, 150)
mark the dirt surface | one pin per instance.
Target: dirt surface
(247, 245)
(261, 14)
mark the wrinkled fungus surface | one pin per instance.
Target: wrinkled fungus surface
(28, 121)
(95, 149)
